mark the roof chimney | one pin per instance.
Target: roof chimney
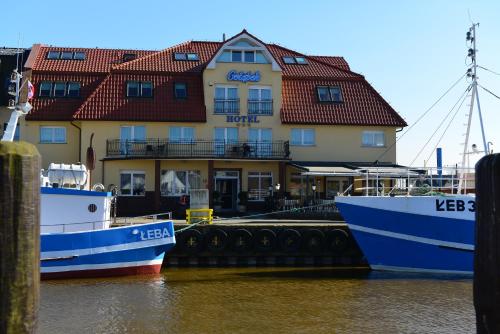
(223, 37)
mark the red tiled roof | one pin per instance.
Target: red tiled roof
(96, 60)
(104, 99)
(60, 109)
(163, 61)
(362, 104)
(109, 102)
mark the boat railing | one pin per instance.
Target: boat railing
(384, 181)
(113, 222)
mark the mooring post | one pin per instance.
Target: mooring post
(19, 237)
(487, 249)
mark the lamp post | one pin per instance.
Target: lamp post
(277, 187)
(314, 192)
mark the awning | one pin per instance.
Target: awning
(329, 171)
(387, 171)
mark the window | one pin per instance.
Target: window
(59, 89)
(329, 94)
(295, 60)
(177, 183)
(53, 54)
(258, 185)
(373, 139)
(179, 134)
(249, 57)
(146, 89)
(52, 134)
(73, 89)
(186, 56)
(236, 56)
(301, 60)
(225, 57)
(128, 57)
(193, 56)
(303, 137)
(228, 135)
(179, 56)
(133, 183)
(45, 89)
(297, 185)
(260, 100)
(129, 136)
(260, 141)
(139, 89)
(260, 58)
(66, 55)
(180, 90)
(226, 100)
(79, 56)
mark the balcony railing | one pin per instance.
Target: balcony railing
(208, 149)
(259, 107)
(227, 106)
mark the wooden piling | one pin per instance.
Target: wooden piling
(487, 249)
(19, 237)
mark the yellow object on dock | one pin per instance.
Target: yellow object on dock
(205, 214)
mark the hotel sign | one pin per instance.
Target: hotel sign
(242, 119)
(243, 76)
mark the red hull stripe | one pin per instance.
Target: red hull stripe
(123, 271)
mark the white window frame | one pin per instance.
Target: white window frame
(132, 173)
(260, 175)
(182, 139)
(261, 88)
(302, 132)
(372, 138)
(132, 132)
(53, 140)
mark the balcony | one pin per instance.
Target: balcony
(196, 149)
(227, 106)
(259, 107)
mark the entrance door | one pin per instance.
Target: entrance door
(228, 192)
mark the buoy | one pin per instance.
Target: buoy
(241, 240)
(314, 241)
(290, 240)
(192, 241)
(337, 240)
(265, 240)
(216, 240)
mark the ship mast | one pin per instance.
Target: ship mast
(472, 73)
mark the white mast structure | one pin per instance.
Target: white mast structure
(471, 73)
(19, 109)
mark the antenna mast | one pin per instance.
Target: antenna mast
(472, 73)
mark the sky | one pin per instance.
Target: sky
(410, 51)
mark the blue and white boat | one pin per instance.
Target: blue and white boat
(413, 233)
(421, 231)
(77, 241)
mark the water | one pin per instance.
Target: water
(254, 300)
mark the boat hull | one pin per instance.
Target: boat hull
(415, 234)
(130, 250)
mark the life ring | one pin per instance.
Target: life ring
(337, 240)
(290, 240)
(191, 241)
(314, 241)
(241, 240)
(216, 240)
(265, 240)
(183, 200)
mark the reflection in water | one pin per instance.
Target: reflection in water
(267, 300)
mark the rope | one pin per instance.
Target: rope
(484, 68)
(251, 216)
(440, 124)
(420, 118)
(495, 95)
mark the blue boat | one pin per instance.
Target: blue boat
(77, 240)
(432, 234)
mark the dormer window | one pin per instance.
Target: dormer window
(295, 60)
(139, 89)
(66, 55)
(129, 57)
(236, 56)
(186, 56)
(329, 94)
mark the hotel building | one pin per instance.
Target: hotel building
(237, 116)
